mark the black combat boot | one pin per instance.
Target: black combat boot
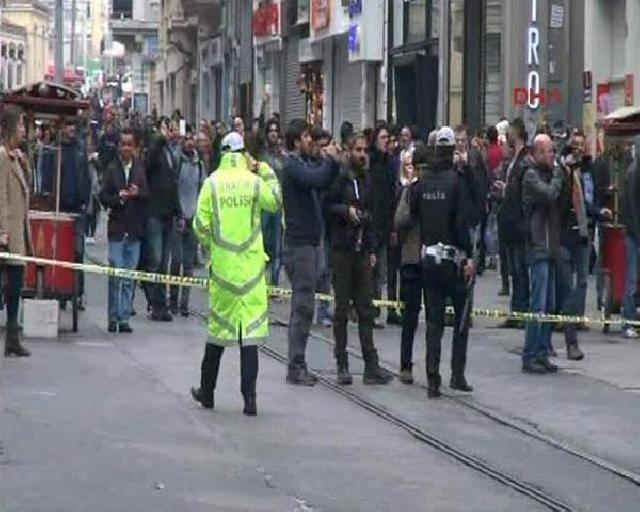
(13, 346)
(344, 378)
(373, 372)
(208, 375)
(434, 337)
(199, 396)
(433, 385)
(248, 378)
(250, 405)
(571, 338)
(393, 318)
(459, 382)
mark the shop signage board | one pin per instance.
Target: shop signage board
(587, 86)
(303, 11)
(533, 59)
(628, 90)
(266, 21)
(320, 14)
(525, 96)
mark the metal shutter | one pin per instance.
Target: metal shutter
(246, 42)
(348, 93)
(291, 99)
(493, 88)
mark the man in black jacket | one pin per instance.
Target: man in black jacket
(303, 180)
(438, 200)
(579, 212)
(163, 208)
(383, 184)
(511, 222)
(469, 163)
(348, 207)
(124, 187)
(75, 192)
(541, 186)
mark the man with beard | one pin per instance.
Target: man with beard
(353, 248)
(163, 208)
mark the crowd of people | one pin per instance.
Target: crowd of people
(365, 215)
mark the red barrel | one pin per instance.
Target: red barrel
(53, 237)
(614, 259)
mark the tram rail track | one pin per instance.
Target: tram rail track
(518, 485)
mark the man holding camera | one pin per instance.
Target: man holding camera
(348, 209)
(439, 201)
(579, 211)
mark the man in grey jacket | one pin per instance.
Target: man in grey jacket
(541, 186)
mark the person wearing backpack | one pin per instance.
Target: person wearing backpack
(511, 222)
(184, 244)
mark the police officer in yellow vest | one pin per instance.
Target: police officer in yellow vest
(227, 222)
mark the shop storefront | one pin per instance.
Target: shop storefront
(413, 62)
(266, 27)
(347, 41)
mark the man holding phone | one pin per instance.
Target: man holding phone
(123, 191)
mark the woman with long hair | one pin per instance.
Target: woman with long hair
(14, 224)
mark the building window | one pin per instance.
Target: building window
(122, 9)
(415, 21)
(19, 75)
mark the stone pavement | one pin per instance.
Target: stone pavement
(592, 404)
(103, 422)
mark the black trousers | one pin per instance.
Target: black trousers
(211, 366)
(12, 291)
(441, 282)
(393, 265)
(411, 291)
(352, 281)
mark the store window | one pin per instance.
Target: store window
(434, 21)
(415, 16)
(456, 62)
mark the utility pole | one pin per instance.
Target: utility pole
(73, 32)
(59, 42)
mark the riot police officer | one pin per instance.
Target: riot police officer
(438, 201)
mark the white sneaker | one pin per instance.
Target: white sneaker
(630, 333)
(90, 240)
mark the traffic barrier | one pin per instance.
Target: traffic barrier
(200, 282)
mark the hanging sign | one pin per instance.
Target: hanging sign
(533, 59)
(320, 14)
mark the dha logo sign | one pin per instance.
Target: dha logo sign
(533, 59)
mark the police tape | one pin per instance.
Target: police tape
(283, 293)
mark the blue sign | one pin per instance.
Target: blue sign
(354, 38)
(355, 7)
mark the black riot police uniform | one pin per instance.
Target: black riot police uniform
(438, 201)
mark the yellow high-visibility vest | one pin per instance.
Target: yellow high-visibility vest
(227, 222)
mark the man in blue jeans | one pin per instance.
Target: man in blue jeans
(124, 188)
(541, 186)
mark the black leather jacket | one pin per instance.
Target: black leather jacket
(440, 202)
